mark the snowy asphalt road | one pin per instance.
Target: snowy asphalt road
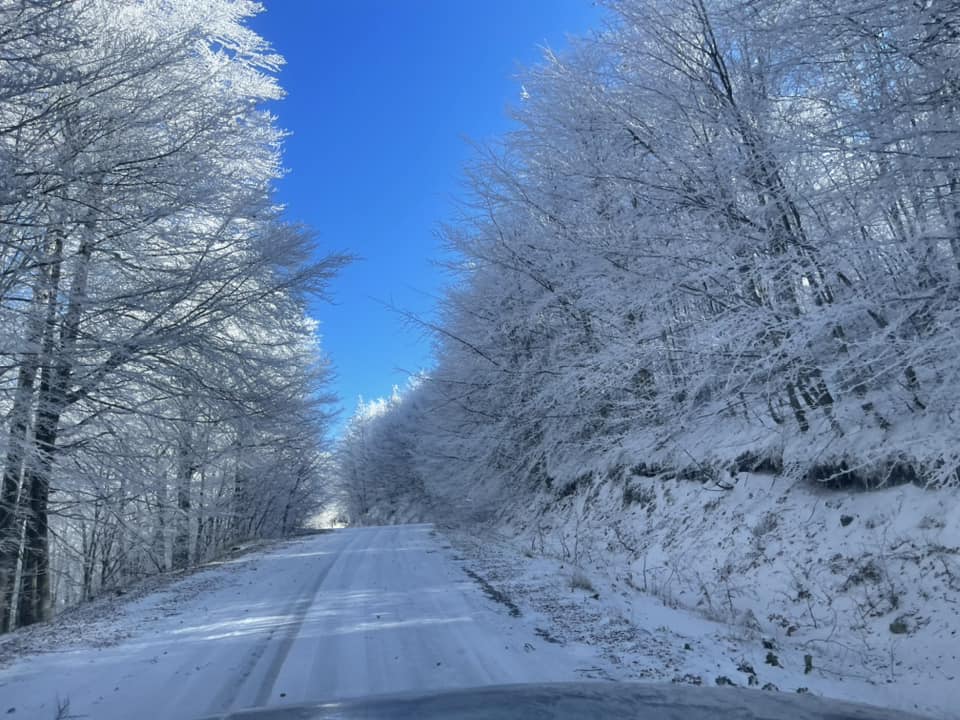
(346, 614)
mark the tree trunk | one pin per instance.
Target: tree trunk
(34, 600)
(41, 318)
(57, 369)
(181, 542)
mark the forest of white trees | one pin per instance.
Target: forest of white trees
(724, 236)
(162, 392)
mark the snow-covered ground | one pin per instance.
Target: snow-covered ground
(851, 595)
(364, 611)
(349, 613)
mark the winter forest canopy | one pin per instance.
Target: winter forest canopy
(161, 386)
(724, 238)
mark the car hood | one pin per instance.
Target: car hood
(573, 701)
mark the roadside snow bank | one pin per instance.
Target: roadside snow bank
(849, 594)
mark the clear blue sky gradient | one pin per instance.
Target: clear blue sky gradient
(381, 95)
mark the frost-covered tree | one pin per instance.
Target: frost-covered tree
(152, 298)
(724, 235)
(377, 470)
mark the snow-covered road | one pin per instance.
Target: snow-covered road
(345, 614)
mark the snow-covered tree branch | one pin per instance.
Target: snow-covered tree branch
(161, 383)
(724, 236)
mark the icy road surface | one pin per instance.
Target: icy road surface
(345, 614)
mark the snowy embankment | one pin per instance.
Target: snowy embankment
(852, 595)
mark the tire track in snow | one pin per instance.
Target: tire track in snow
(286, 643)
(231, 697)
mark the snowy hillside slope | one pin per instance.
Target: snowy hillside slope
(849, 594)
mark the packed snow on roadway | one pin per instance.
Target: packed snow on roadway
(349, 613)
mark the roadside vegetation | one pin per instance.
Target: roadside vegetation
(161, 386)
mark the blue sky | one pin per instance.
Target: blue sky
(380, 97)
